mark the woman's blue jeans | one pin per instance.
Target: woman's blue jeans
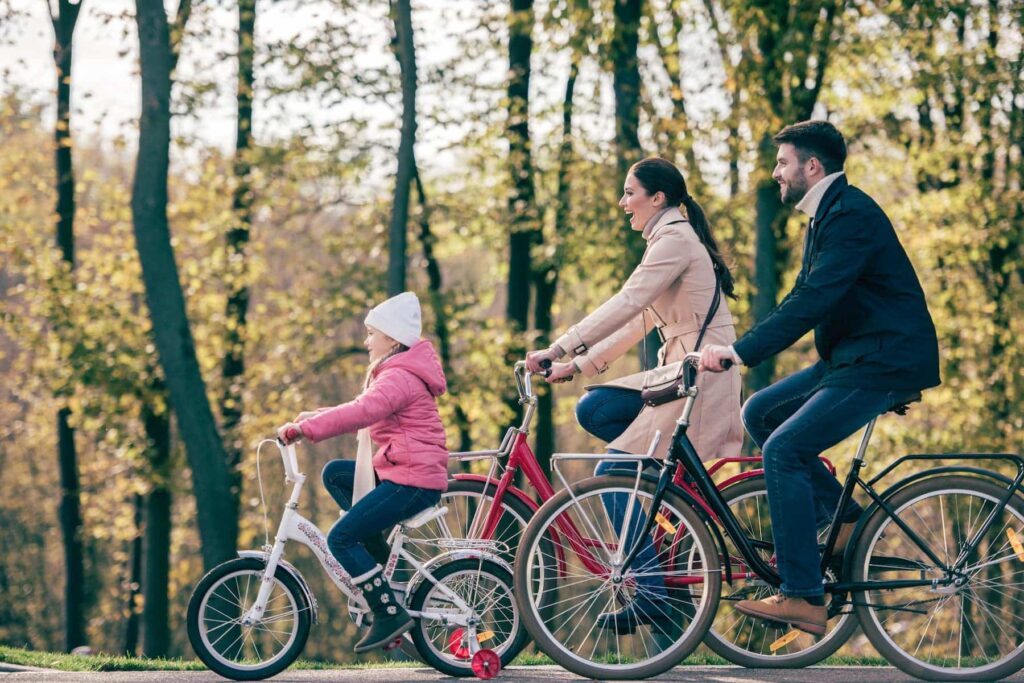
(606, 412)
(794, 421)
(388, 504)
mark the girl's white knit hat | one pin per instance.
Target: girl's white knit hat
(398, 318)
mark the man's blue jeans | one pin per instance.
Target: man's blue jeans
(606, 412)
(794, 421)
(387, 505)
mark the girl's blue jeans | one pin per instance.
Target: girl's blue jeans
(606, 412)
(364, 524)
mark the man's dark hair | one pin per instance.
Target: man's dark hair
(819, 139)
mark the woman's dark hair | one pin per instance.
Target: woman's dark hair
(660, 175)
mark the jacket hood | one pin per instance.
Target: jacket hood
(422, 361)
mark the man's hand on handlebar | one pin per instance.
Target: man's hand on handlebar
(535, 359)
(716, 358)
(289, 433)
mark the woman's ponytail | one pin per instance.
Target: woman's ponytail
(699, 220)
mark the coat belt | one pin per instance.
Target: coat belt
(681, 329)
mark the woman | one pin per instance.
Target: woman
(671, 291)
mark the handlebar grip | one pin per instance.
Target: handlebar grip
(291, 434)
(726, 363)
(545, 365)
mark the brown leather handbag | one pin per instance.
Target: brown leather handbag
(668, 384)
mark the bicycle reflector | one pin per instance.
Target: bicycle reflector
(1016, 544)
(784, 640)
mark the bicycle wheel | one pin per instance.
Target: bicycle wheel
(469, 503)
(487, 588)
(973, 631)
(247, 653)
(755, 643)
(567, 628)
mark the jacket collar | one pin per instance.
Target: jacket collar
(654, 226)
(829, 199)
(812, 198)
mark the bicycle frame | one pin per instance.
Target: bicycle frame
(681, 450)
(293, 526)
(516, 452)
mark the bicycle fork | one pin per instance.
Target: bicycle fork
(255, 613)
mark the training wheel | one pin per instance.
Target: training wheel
(397, 642)
(456, 645)
(486, 664)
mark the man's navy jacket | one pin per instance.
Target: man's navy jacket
(858, 291)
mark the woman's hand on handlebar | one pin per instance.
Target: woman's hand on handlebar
(289, 433)
(535, 359)
(716, 358)
(560, 372)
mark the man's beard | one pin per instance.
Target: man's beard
(795, 190)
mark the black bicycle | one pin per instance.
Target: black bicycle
(932, 572)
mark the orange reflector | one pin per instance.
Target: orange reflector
(1015, 542)
(484, 637)
(784, 640)
(663, 522)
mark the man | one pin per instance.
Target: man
(858, 291)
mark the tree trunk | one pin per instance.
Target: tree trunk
(546, 276)
(218, 523)
(521, 201)
(233, 365)
(405, 49)
(157, 541)
(70, 508)
(626, 85)
(131, 625)
(71, 532)
(435, 288)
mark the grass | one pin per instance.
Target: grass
(66, 662)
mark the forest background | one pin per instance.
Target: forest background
(183, 270)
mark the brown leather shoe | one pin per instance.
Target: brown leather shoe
(795, 611)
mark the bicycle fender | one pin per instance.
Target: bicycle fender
(290, 568)
(888, 493)
(524, 498)
(452, 556)
(709, 522)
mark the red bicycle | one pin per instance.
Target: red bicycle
(491, 508)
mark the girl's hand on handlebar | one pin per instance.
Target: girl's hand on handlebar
(716, 358)
(289, 433)
(560, 372)
(535, 359)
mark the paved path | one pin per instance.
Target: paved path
(698, 674)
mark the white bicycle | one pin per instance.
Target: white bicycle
(249, 618)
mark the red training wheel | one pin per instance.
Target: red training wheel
(456, 645)
(486, 664)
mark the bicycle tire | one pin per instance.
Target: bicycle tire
(884, 550)
(746, 641)
(453, 664)
(705, 565)
(199, 633)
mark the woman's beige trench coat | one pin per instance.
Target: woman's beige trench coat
(671, 289)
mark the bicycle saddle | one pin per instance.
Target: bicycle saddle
(902, 408)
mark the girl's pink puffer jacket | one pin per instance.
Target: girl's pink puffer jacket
(400, 409)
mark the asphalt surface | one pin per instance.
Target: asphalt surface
(701, 674)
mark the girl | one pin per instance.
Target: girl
(398, 410)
